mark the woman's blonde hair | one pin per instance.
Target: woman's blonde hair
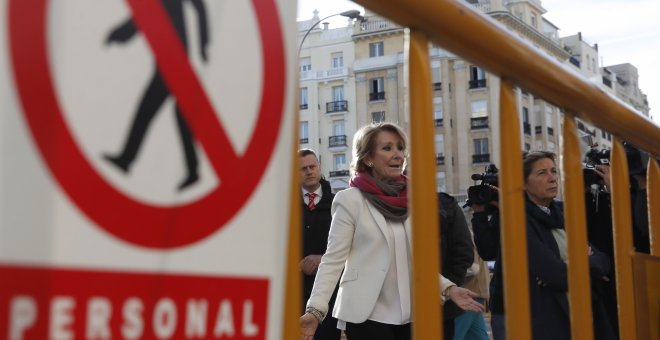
(364, 143)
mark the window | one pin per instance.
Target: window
(533, 20)
(337, 93)
(439, 145)
(338, 127)
(477, 73)
(440, 182)
(377, 117)
(303, 99)
(376, 89)
(337, 60)
(477, 77)
(339, 162)
(437, 110)
(481, 146)
(479, 108)
(436, 75)
(376, 50)
(527, 147)
(305, 64)
(304, 132)
(525, 115)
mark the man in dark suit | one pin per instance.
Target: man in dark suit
(317, 199)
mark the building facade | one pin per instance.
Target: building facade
(466, 97)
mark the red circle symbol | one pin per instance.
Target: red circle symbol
(128, 219)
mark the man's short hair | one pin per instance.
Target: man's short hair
(306, 152)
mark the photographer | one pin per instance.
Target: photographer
(547, 255)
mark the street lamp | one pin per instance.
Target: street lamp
(353, 14)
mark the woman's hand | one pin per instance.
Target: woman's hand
(463, 298)
(604, 172)
(308, 325)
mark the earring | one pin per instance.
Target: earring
(370, 164)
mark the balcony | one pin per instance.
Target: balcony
(335, 141)
(303, 106)
(527, 129)
(439, 159)
(437, 86)
(373, 96)
(303, 140)
(337, 106)
(477, 83)
(551, 131)
(478, 123)
(481, 158)
(340, 173)
(438, 122)
(538, 129)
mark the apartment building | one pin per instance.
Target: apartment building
(466, 97)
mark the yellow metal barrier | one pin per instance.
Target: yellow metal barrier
(653, 191)
(423, 201)
(576, 233)
(513, 232)
(458, 28)
(623, 243)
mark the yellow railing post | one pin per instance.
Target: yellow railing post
(579, 287)
(623, 244)
(293, 281)
(426, 311)
(513, 228)
(653, 192)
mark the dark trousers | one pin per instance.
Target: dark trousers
(370, 330)
(328, 330)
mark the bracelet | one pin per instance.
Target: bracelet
(446, 291)
(316, 313)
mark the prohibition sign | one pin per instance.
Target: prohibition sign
(133, 221)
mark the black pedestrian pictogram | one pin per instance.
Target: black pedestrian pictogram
(157, 92)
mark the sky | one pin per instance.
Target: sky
(626, 31)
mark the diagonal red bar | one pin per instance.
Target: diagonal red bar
(172, 61)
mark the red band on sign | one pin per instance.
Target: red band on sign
(39, 303)
(134, 221)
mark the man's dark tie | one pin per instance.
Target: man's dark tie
(311, 196)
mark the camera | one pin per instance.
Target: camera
(483, 193)
(592, 158)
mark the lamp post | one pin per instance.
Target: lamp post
(353, 14)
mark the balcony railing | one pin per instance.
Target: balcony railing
(340, 173)
(376, 96)
(304, 140)
(439, 159)
(551, 131)
(527, 129)
(478, 123)
(303, 106)
(477, 83)
(339, 140)
(607, 82)
(437, 86)
(438, 122)
(538, 129)
(337, 106)
(481, 158)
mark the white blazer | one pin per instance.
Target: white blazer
(357, 244)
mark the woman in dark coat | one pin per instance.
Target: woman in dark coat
(547, 254)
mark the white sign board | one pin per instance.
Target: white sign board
(146, 150)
